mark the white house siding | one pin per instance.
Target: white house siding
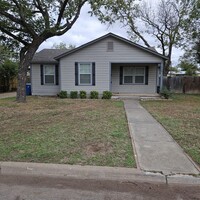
(151, 88)
(97, 52)
(37, 88)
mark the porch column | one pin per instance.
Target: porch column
(161, 74)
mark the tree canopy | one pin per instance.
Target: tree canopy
(192, 33)
(189, 68)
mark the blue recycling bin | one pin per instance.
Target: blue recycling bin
(28, 89)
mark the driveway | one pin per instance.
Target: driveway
(7, 94)
(155, 149)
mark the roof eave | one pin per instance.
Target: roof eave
(44, 62)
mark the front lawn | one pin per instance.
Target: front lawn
(181, 117)
(53, 130)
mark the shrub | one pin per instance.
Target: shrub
(62, 94)
(73, 94)
(94, 95)
(83, 94)
(107, 95)
(165, 93)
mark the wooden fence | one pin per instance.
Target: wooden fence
(183, 84)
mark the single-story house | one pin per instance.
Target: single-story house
(110, 63)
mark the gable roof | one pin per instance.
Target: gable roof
(47, 56)
(149, 50)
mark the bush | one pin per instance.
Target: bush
(62, 94)
(83, 94)
(165, 93)
(94, 95)
(107, 95)
(73, 94)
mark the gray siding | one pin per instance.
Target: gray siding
(123, 53)
(135, 89)
(37, 88)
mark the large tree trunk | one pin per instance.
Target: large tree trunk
(26, 56)
(21, 80)
(167, 67)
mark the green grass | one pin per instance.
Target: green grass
(181, 117)
(52, 130)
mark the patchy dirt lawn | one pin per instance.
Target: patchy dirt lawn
(52, 130)
(181, 117)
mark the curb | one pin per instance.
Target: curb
(93, 173)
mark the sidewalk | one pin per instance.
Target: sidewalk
(155, 149)
(7, 94)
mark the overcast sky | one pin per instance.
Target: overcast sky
(87, 28)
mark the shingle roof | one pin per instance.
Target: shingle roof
(47, 56)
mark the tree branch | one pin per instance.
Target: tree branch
(43, 11)
(62, 9)
(68, 24)
(13, 36)
(20, 21)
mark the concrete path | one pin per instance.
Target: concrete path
(156, 151)
(7, 94)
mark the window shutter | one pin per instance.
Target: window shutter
(57, 74)
(146, 75)
(93, 74)
(76, 73)
(121, 75)
(42, 74)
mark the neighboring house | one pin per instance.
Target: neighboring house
(182, 73)
(108, 63)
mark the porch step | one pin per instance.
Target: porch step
(136, 96)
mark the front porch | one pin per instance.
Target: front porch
(135, 79)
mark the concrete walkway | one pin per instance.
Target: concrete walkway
(155, 149)
(7, 94)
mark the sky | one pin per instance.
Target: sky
(88, 28)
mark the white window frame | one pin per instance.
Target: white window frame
(49, 75)
(133, 75)
(79, 74)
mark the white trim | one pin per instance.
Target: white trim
(134, 75)
(85, 63)
(44, 66)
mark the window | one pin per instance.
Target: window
(85, 73)
(139, 75)
(49, 74)
(134, 75)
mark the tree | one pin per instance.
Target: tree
(162, 21)
(8, 71)
(27, 24)
(192, 33)
(189, 68)
(63, 45)
(8, 54)
(197, 47)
